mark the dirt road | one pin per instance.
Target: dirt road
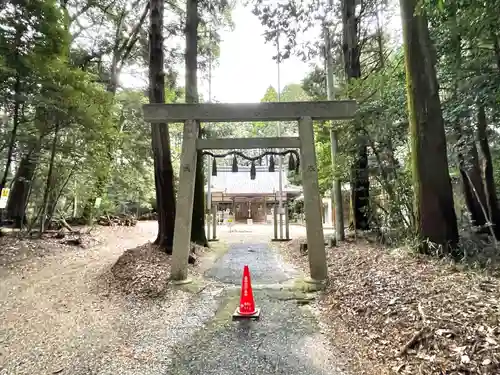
(50, 306)
(56, 318)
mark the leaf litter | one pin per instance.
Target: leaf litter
(142, 272)
(407, 314)
(59, 317)
(16, 248)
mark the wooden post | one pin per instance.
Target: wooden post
(184, 207)
(275, 220)
(312, 204)
(264, 209)
(287, 221)
(208, 217)
(214, 223)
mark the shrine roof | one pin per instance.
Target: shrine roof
(240, 183)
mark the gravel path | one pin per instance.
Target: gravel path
(266, 266)
(56, 319)
(50, 310)
(286, 340)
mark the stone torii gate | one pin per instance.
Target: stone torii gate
(303, 112)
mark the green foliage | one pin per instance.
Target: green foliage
(381, 117)
(60, 66)
(54, 71)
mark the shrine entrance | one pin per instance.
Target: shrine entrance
(303, 112)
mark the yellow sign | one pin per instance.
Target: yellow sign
(4, 197)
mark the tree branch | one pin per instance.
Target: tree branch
(130, 42)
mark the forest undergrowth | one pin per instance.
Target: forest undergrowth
(407, 313)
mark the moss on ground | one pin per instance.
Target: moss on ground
(304, 286)
(196, 285)
(198, 282)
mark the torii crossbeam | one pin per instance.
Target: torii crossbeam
(303, 112)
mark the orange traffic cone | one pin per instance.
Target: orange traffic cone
(247, 309)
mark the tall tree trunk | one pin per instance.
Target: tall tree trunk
(122, 49)
(360, 183)
(16, 206)
(75, 202)
(49, 183)
(17, 105)
(111, 87)
(496, 46)
(164, 173)
(57, 193)
(53, 196)
(13, 136)
(491, 194)
(434, 209)
(198, 235)
(472, 182)
(468, 161)
(380, 38)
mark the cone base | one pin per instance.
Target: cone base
(238, 316)
(281, 239)
(213, 240)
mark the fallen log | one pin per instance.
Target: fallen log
(149, 216)
(117, 220)
(65, 224)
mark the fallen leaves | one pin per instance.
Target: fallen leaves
(15, 248)
(143, 272)
(407, 314)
